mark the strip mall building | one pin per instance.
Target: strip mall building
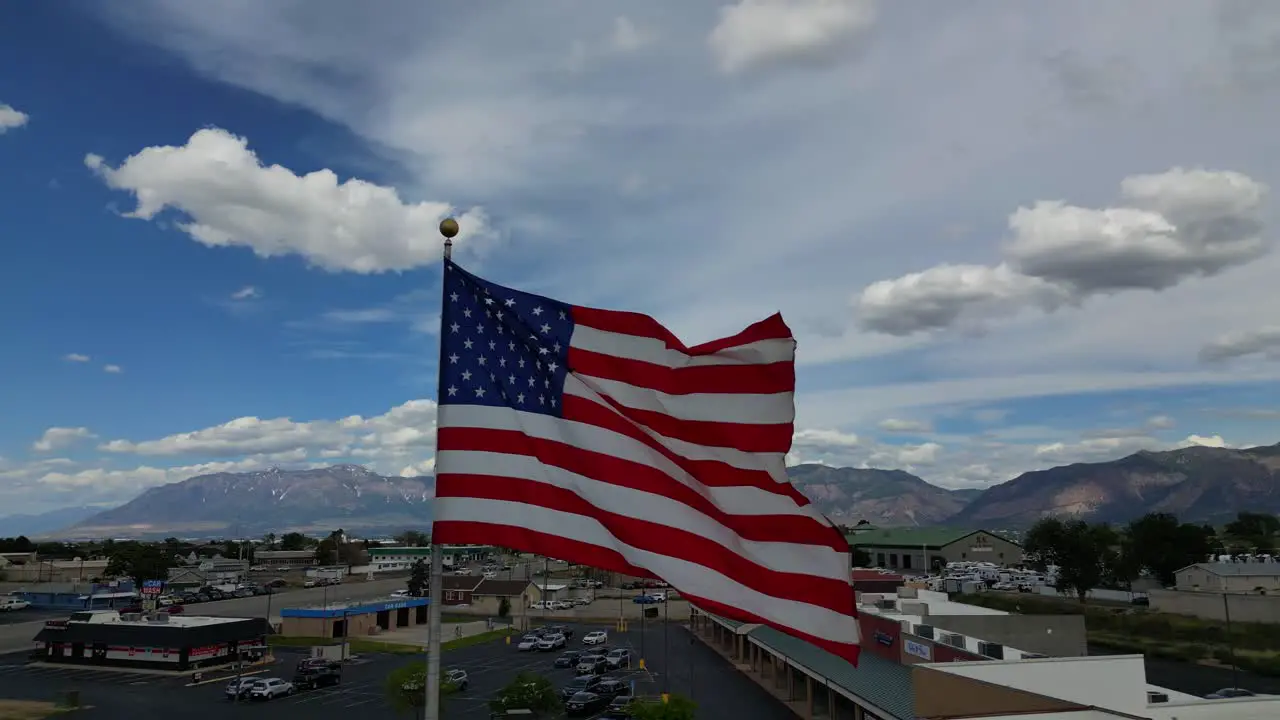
(106, 638)
(922, 659)
(354, 619)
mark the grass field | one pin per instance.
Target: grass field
(28, 709)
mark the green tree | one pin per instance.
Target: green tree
(269, 541)
(327, 552)
(419, 579)
(1162, 545)
(504, 607)
(529, 692)
(1255, 532)
(18, 544)
(413, 538)
(677, 707)
(139, 562)
(294, 541)
(1080, 552)
(406, 688)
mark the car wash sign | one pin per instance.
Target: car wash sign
(153, 587)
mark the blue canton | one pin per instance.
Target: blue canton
(501, 347)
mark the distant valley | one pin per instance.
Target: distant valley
(1198, 483)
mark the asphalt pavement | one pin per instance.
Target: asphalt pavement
(694, 670)
(1195, 679)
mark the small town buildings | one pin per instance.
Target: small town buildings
(397, 559)
(80, 596)
(214, 571)
(1230, 577)
(930, 549)
(29, 568)
(402, 559)
(357, 619)
(286, 559)
(487, 597)
(875, 581)
(160, 642)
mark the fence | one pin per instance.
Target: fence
(1214, 606)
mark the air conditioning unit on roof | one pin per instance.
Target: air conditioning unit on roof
(924, 631)
(887, 603)
(955, 640)
(995, 651)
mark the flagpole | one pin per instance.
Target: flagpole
(449, 229)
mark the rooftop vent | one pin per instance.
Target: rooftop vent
(995, 651)
(925, 631)
(1157, 697)
(887, 603)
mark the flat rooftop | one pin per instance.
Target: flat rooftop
(184, 621)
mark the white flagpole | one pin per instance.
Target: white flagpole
(449, 229)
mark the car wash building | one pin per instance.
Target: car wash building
(353, 619)
(162, 641)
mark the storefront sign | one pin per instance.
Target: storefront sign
(919, 649)
(884, 639)
(55, 624)
(152, 587)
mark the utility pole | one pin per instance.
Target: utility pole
(1231, 642)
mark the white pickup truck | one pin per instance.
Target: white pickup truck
(13, 603)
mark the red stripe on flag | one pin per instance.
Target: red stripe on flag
(630, 323)
(653, 537)
(844, 651)
(749, 438)
(769, 378)
(579, 553)
(638, 476)
(707, 472)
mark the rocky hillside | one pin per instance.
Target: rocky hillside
(885, 498)
(249, 504)
(1196, 483)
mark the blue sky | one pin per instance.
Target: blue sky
(996, 255)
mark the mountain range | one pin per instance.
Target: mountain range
(1196, 483)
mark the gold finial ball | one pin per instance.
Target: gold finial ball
(449, 227)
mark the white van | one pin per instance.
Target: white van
(13, 603)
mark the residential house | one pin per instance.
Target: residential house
(487, 597)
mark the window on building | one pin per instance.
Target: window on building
(879, 559)
(906, 562)
(893, 560)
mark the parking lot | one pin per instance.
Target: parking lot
(694, 670)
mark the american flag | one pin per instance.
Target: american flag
(597, 437)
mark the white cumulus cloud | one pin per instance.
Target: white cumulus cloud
(11, 118)
(229, 198)
(757, 33)
(57, 438)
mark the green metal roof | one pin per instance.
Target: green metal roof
(908, 537)
(885, 684)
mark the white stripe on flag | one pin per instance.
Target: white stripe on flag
(655, 351)
(690, 577)
(743, 409)
(648, 507)
(736, 500)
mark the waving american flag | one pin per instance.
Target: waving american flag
(597, 437)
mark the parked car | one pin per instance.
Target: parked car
(10, 604)
(175, 609)
(564, 630)
(310, 676)
(528, 642)
(595, 637)
(457, 678)
(623, 697)
(613, 687)
(239, 689)
(551, 641)
(568, 659)
(585, 703)
(400, 594)
(591, 665)
(309, 583)
(1225, 693)
(582, 683)
(658, 596)
(644, 600)
(618, 658)
(270, 689)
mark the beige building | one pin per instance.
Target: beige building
(1236, 578)
(928, 549)
(33, 570)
